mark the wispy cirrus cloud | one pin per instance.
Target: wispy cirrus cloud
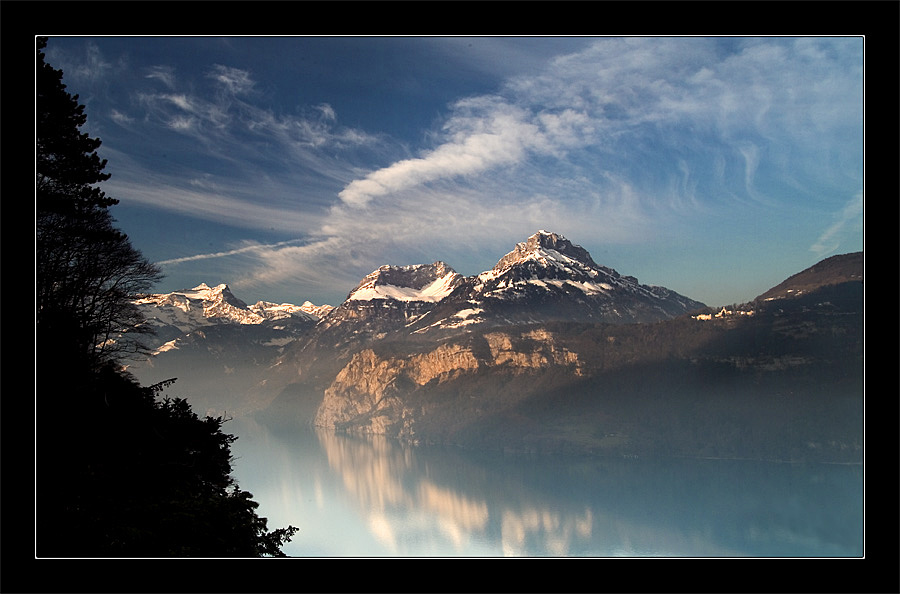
(233, 80)
(483, 134)
(651, 98)
(162, 73)
(627, 140)
(642, 133)
(93, 66)
(248, 248)
(849, 219)
(226, 116)
(260, 169)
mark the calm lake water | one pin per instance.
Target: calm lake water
(372, 497)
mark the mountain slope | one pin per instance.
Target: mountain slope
(544, 279)
(547, 351)
(216, 345)
(775, 383)
(830, 271)
(549, 278)
(172, 315)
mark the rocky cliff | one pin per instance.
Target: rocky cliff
(547, 351)
(782, 381)
(369, 394)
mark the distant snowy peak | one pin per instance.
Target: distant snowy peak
(318, 311)
(203, 305)
(200, 303)
(276, 311)
(418, 282)
(204, 292)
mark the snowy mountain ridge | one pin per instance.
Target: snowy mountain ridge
(210, 338)
(550, 259)
(175, 316)
(276, 311)
(418, 282)
(199, 306)
(203, 305)
(545, 278)
(548, 277)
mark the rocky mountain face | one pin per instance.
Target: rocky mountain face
(386, 300)
(544, 279)
(779, 378)
(547, 351)
(549, 278)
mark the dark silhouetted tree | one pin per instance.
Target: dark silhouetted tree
(87, 270)
(119, 472)
(135, 475)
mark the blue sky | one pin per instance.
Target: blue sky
(290, 167)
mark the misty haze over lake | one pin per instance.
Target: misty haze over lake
(372, 496)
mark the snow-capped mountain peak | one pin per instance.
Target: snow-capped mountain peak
(418, 282)
(202, 305)
(318, 311)
(276, 311)
(204, 292)
(548, 277)
(548, 256)
(547, 248)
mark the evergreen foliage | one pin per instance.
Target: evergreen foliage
(123, 472)
(119, 470)
(86, 268)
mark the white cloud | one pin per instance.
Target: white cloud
(164, 74)
(482, 134)
(234, 80)
(182, 123)
(92, 67)
(655, 96)
(850, 218)
(120, 118)
(620, 142)
(251, 247)
(474, 146)
(181, 101)
(327, 111)
(214, 201)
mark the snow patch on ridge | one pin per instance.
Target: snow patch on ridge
(203, 305)
(432, 293)
(377, 285)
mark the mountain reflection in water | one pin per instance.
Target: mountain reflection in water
(370, 497)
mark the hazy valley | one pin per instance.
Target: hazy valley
(546, 352)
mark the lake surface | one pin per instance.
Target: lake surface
(373, 497)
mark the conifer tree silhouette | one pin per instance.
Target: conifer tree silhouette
(119, 470)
